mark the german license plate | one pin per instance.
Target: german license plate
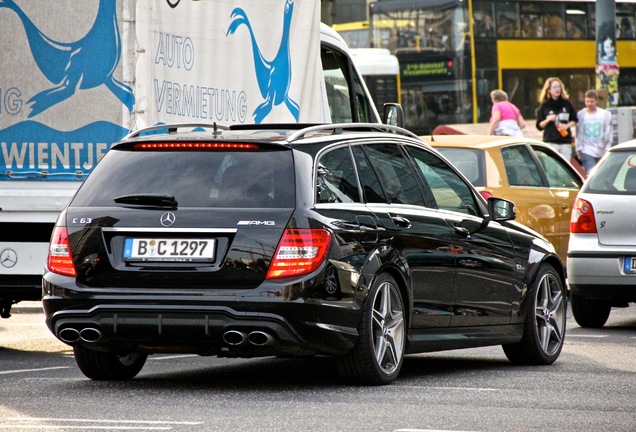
(629, 265)
(169, 249)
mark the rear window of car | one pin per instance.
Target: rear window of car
(240, 179)
(615, 175)
(469, 162)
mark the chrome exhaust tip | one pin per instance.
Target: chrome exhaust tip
(68, 335)
(90, 335)
(260, 338)
(234, 337)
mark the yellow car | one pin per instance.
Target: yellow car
(541, 183)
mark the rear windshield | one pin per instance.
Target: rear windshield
(615, 175)
(469, 162)
(261, 179)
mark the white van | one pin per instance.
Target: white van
(48, 146)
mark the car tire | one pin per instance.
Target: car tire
(106, 366)
(590, 313)
(544, 326)
(377, 357)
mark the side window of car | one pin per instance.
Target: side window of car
(450, 191)
(559, 176)
(373, 192)
(394, 172)
(521, 167)
(336, 181)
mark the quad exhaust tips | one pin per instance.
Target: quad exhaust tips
(68, 335)
(256, 338)
(234, 337)
(259, 338)
(71, 335)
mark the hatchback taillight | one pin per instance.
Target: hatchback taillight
(60, 259)
(299, 252)
(582, 220)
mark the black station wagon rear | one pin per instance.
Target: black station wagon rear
(353, 241)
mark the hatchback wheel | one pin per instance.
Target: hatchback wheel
(378, 354)
(544, 328)
(590, 313)
(105, 366)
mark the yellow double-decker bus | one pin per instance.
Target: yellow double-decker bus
(450, 63)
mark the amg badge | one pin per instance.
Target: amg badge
(265, 223)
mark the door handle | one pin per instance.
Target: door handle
(400, 221)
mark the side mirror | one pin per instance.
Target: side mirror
(393, 114)
(501, 209)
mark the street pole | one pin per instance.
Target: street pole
(607, 69)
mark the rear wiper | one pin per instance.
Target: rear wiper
(154, 200)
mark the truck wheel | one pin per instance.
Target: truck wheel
(544, 327)
(590, 313)
(377, 357)
(105, 366)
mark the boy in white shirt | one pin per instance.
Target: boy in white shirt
(593, 132)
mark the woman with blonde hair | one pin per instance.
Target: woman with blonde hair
(555, 116)
(505, 117)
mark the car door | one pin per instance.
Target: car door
(537, 207)
(338, 199)
(487, 273)
(564, 184)
(415, 233)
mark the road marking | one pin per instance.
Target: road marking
(64, 427)
(50, 423)
(451, 388)
(170, 357)
(426, 430)
(81, 420)
(32, 370)
(586, 336)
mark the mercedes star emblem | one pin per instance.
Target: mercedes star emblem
(8, 258)
(167, 219)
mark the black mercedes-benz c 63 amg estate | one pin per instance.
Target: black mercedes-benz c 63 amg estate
(354, 241)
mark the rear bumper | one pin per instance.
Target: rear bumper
(232, 326)
(600, 277)
(20, 287)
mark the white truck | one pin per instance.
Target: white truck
(76, 77)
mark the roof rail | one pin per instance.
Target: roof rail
(338, 128)
(173, 127)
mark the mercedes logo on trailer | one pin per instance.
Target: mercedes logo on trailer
(8, 258)
(167, 219)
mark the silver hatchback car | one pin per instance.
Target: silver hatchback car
(601, 260)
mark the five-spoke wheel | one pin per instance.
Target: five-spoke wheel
(378, 354)
(544, 328)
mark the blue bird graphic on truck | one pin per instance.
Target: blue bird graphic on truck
(274, 77)
(83, 64)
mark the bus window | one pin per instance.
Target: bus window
(381, 72)
(446, 78)
(507, 20)
(552, 20)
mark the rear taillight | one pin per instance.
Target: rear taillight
(582, 220)
(299, 252)
(60, 260)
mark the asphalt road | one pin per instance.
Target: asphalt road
(592, 387)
